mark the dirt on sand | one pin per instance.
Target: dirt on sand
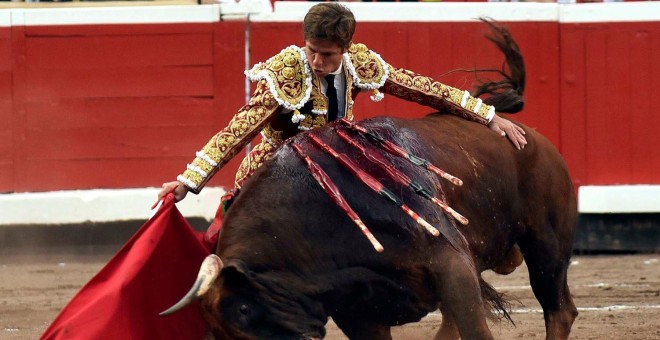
(618, 297)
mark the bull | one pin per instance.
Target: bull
(288, 258)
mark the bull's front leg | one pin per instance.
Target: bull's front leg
(460, 297)
(448, 329)
(355, 329)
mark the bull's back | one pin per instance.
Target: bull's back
(506, 192)
(490, 162)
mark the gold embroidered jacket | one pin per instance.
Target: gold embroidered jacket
(288, 99)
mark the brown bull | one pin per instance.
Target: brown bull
(292, 258)
(289, 258)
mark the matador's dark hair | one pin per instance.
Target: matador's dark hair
(330, 21)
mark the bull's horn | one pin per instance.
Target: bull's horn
(208, 272)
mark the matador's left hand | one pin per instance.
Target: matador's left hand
(505, 127)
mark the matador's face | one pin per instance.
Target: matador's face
(323, 56)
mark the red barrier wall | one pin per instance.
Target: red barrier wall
(93, 103)
(114, 106)
(610, 119)
(110, 106)
(7, 124)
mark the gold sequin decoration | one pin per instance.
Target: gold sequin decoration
(202, 164)
(319, 101)
(306, 123)
(259, 154)
(319, 121)
(287, 70)
(277, 65)
(367, 66)
(193, 176)
(272, 135)
(358, 48)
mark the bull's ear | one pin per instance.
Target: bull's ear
(235, 273)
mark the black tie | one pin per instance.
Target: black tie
(331, 92)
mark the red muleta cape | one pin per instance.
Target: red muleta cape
(151, 272)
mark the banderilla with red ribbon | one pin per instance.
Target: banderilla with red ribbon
(371, 182)
(401, 152)
(333, 191)
(377, 158)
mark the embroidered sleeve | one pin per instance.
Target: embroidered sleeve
(242, 128)
(371, 72)
(411, 86)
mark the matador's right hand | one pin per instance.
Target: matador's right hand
(177, 188)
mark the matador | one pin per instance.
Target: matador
(290, 98)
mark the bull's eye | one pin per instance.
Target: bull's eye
(244, 310)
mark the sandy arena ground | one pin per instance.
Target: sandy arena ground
(618, 298)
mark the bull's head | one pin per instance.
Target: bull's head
(240, 304)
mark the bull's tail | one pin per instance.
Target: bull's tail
(507, 94)
(495, 303)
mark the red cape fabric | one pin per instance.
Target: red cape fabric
(151, 272)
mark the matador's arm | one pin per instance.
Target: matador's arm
(242, 128)
(411, 86)
(371, 72)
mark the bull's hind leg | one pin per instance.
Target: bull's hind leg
(460, 298)
(547, 259)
